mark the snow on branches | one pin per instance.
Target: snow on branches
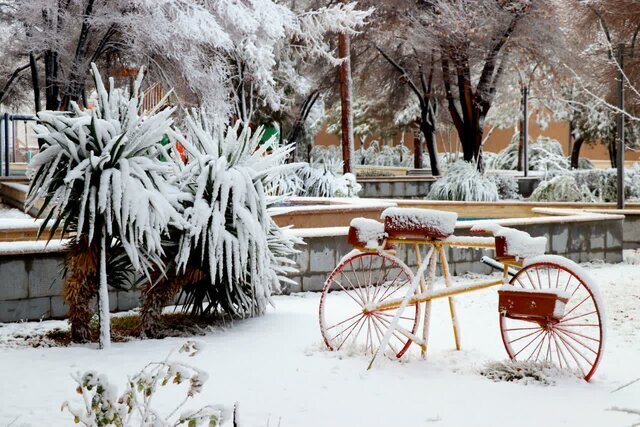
(101, 168)
(100, 176)
(230, 232)
(103, 406)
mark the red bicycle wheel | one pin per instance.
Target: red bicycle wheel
(575, 340)
(359, 281)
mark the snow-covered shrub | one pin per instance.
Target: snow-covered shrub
(489, 159)
(100, 175)
(562, 188)
(368, 155)
(507, 186)
(632, 181)
(137, 405)
(326, 154)
(545, 154)
(585, 163)
(327, 180)
(462, 181)
(231, 236)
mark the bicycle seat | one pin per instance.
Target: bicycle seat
(512, 243)
(418, 223)
(366, 233)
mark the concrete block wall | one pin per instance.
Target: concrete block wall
(631, 232)
(578, 241)
(31, 288)
(419, 188)
(31, 284)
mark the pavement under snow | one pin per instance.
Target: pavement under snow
(277, 369)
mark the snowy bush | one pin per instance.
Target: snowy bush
(326, 180)
(545, 154)
(397, 155)
(588, 185)
(463, 182)
(585, 163)
(507, 186)
(231, 235)
(103, 406)
(100, 176)
(562, 188)
(326, 154)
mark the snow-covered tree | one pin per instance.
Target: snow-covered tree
(230, 56)
(100, 177)
(231, 236)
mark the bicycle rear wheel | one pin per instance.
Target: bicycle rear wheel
(363, 280)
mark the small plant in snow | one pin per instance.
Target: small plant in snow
(524, 372)
(103, 406)
(100, 176)
(463, 182)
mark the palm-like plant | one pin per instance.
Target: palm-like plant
(231, 236)
(100, 177)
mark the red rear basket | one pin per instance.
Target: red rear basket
(531, 305)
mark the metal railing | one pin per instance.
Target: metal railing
(8, 139)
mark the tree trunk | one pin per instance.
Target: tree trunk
(35, 82)
(520, 145)
(575, 152)
(613, 152)
(103, 296)
(51, 88)
(75, 80)
(80, 286)
(344, 51)
(429, 133)
(417, 150)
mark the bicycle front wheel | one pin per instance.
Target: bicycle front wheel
(575, 340)
(360, 281)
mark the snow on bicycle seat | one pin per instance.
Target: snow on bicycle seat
(512, 243)
(366, 233)
(418, 223)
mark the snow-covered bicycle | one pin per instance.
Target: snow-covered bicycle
(549, 308)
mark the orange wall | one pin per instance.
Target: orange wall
(500, 138)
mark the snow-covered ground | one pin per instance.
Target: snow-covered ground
(278, 371)
(7, 212)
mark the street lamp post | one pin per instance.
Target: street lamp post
(620, 128)
(525, 131)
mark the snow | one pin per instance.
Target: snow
(519, 243)
(7, 212)
(277, 369)
(32, 247)
(369, 231)
(317, 232)
(442, 221)
(470, 240)
(15, 223)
